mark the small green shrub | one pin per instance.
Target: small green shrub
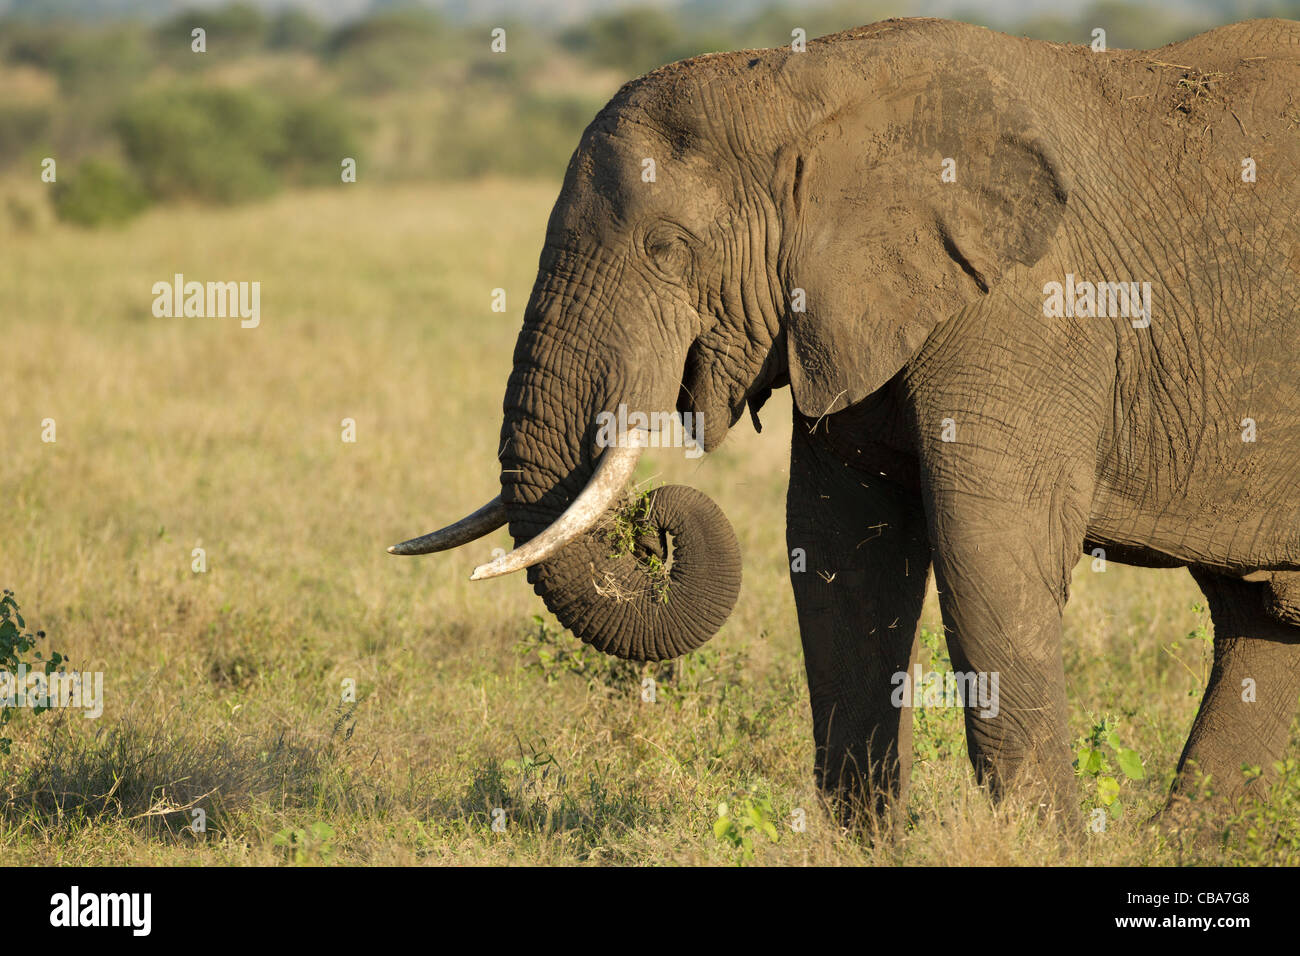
(1094, 763)
(16, 642)
(317, 135)
(740, 818)
(231, 30)
(213, 144)
(391, 50)
(100, 62)
(636, 40)
(1200, 638)
(305, 847)
(294, 29)
(98, 193)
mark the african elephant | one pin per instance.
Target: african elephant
(1031, 300)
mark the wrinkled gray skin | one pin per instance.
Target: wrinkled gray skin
(821, 171)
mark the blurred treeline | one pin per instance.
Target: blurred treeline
(132, 115)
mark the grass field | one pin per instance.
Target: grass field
(223, 688)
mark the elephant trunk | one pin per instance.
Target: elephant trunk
(646, 577)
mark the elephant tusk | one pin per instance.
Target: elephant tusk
(484, 521)
(615, 468)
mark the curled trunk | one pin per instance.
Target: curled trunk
(653, 580)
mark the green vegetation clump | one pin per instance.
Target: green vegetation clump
(392, 50)
(632, 531)
(228, 145)
(1266, 832)
(98, 193)
(741, 819)
(19, 657)
(636, 40)
(1100, 754)
(554, 654)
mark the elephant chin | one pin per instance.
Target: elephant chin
(649, 582)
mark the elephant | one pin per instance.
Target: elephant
(1033, 301)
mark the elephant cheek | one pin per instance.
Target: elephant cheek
(706, 413)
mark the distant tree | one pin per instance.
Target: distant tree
(295, 29)
(635, 40)
(237, 29)
(391, 50)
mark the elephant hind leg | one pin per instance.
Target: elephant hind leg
(1251, 698)
(1284, 597)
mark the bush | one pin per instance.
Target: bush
(18, 658)
(317, 135)
(1266, 832)
(30, 44)
(98, 193)
(226, 145)
(205, 144)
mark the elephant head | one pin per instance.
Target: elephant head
(728, 225)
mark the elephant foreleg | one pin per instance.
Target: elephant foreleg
(1008, 464)
(1001, 594)
(859, 565)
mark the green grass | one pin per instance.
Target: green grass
(224, 689)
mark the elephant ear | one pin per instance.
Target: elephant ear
(883, 248)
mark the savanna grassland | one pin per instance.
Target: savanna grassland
(223, 688)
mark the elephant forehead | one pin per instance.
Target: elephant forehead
(632, 171)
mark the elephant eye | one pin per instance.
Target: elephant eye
(668, 250)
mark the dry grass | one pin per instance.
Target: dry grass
(223, 688)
